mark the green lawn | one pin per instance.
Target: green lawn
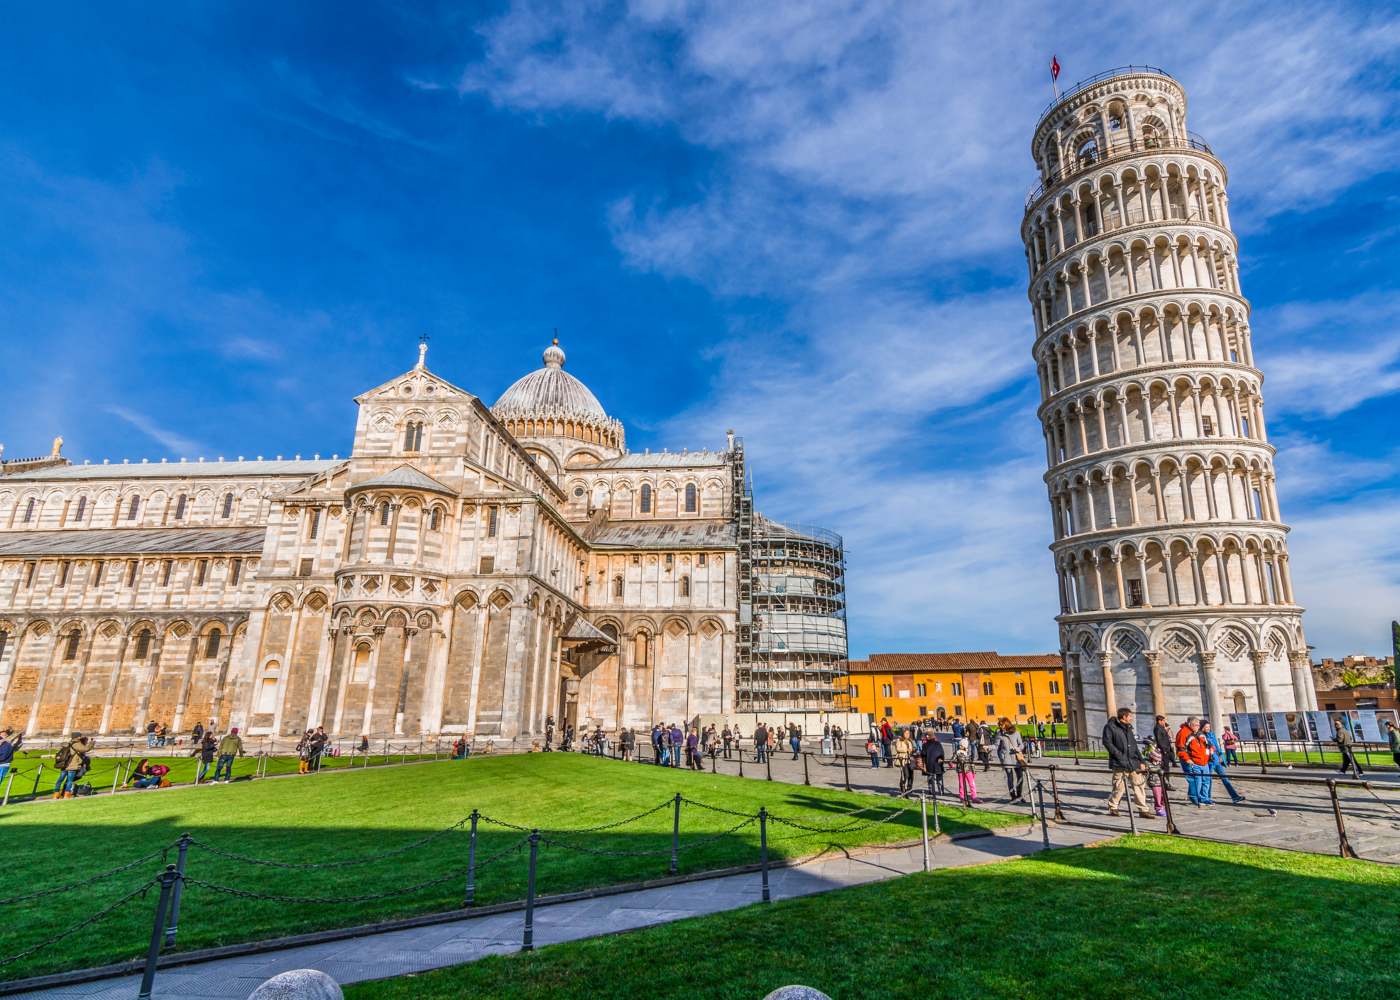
(1148, 916)
(336, 816)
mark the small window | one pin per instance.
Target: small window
(691, 498)
(131, 572)
(1054, 687)
(923, 711)
(991, 711)
(97, 567)
(315, 526)
(1115, 121)
(70, 646)
(646, 498)
(1258, 498)
(63, 567)
(228, 506)
(413, 436)
(201, 570)
(670, 559)
(957, 710)
(685, 586)
(884, 690)
(165, 568)
(180, 503)
(957, 687)
(435, 519)
(1134, 593)
(133, 508)
(922, 691)
(855, 691)
(360, 674)
(235, 569)
(384, 513)
(492, 521)
(617, 586)
(143, 644)
(986, 687)
(578, 492)
(1020, 688)
(700, 559)
(211, 643)
(29, 510)
(267, 695)
(889, 712)
(488, 564)
(82, 507)
(1234, 355)
(305, 568)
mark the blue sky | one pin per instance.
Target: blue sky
(797, 220)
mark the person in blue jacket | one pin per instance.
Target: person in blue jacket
(1217, 763)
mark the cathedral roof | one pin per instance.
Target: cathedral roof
(405, 477)
(131, 541)
(180, 470)
(550, 392)
(664, 460)
(689, 534)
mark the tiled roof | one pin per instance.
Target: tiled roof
(179, 470)
(661, 460)
(130, 541)
(666, 535)
(404, 477)
(903, 663)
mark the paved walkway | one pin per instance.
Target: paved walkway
(396, 953)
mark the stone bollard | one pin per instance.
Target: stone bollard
(299, 984)
(796, 993)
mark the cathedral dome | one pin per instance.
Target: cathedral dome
(550, 392)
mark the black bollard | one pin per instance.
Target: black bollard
(1055, 795)
(805, 779)
(1044, 826)
(168, 879)
(763, 850)
(846, 767)
(470, 896)
(1344, 847)
(174, 925)
(676, 834)
(768, 763)
(529, 943)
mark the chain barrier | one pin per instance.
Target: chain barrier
(814, 831)
(717, 809)
(624, 822)
(363, 859)
(87, 881)
(53, 939)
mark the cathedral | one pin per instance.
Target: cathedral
(467, 569)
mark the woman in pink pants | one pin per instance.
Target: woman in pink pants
(962, 760)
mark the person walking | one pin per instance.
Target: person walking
(962, 763)
(1231, 744)
(629, 743)
(549, 734)
(9, 746)
(319, 742)
(886, 741)
(932, 752)
(838, 739)
(1197, 754)
(304, 752)
(1392, 735)
(795, 740)
(903, 750)
(677, 741)
(151, 733)
(1217, 764)
(1011, 755)
(71, 761)
(205, 751)
(1153, 758)
(760, 743)
(230, 746)
(1166, 749)
(1346, 743)
(1125, 763)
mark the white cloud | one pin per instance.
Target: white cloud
(1337, 354)
(174, 442)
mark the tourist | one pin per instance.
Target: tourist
(962, 762)
(363, 745)
(1125, 762)
(1346, 743)
(903, 749)
(568, 743)
(692, 750)
(760, 743)
(1011, 755)
(1392, 735)
(9, 745)
(838, 737)
(1217, 763)
(677, 741)
(1196, 754)
(629, 743)
(656, 743)
(72, 762)
(548, 733)
(932, 752)
(205, 751)
(1231, 743)
(795, 740)
(873, 748)
(1155, 773)
(958, 729)
(304, 752)
(151, 733)
(197, 733)
(1162, 737)
(886, 739)
(318, 747)
(230, 746)
(149, 775)
(163, 735)
(600, 741)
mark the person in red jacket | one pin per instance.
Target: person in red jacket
(1194, 751)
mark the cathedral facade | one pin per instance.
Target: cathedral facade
(467, 569)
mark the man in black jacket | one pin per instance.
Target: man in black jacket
(933, 763)
(1162, 736)
(1126, 763)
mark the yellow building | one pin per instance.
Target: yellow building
(903, 687)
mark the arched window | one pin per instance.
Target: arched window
(29, 511)
(180, 502)
(211, 644)
(133, 508)
(413, 436)
(143, 644)
(641, 646)
(1152, 135)
(617, 587)
(384, 512)
(1087, 151)
(360, 674)
(492, 522)
(4, 641)
(435, 519)
(315, 525)
(646, 498)
(228, 506)
(70, 646)
(691, 498)
(685, 586)
(267, 690)
(82, 506)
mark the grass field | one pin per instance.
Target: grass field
(346, 815)
(1147, 916)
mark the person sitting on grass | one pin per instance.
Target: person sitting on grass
(148, 775)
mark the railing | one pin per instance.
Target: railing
(1107, 74)
(1118, 148)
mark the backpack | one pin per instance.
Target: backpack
(63, 757)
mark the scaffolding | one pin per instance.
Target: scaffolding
(792, 612)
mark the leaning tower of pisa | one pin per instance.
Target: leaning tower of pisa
(1175, 594)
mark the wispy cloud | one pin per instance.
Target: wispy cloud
(173, 441)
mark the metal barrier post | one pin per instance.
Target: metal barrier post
(763, 850)
(805, 779)
(8, 783)
(116, 776)
(937, 827)
(714, 762)
(1344, 847)
(1167, 804)
(148, 972)
(846, 767)
(1055, 795)
(676, 833)
(923, 818)
(1074, 745)
(1132, 809)
(1044, 825)
(471, 862)
(174, 924)
(768, 763)
(37, 775)
(741, 762)
(529, 942)
(1263, 764)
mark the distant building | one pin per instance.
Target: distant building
(1334, 694)
(903, 687)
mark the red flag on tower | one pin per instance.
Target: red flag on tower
(1054, 68)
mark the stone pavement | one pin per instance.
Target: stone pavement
(395, 953)
(1279, 809)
